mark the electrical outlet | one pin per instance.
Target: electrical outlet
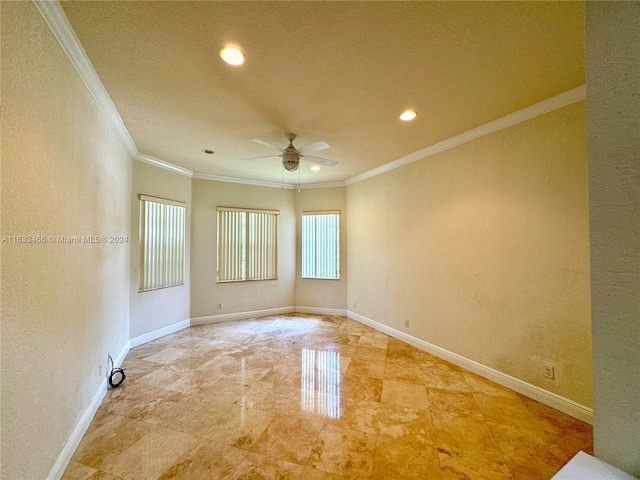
(220, 305)
(355, 305)
(406, 323)
(100, 370)
(549, 372)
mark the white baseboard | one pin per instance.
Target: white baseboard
(83, 424)
(161, 332)
(546, 397)
(322, 311)
(224, 317)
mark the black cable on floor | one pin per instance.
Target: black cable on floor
(117, 376)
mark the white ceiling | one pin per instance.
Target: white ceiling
(341, 72)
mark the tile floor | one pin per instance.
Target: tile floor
(314, 397)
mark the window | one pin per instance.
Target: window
(162, 240)
(321, 245)
(247, 244)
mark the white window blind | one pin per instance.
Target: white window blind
(321, 245)
(162, 242)
(247, 244)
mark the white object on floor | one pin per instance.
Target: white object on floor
(585, 467)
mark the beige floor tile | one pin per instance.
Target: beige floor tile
(100, 447)
(369, 353)
(261, 467)
(410, 426)
(459, 434)
(558, 422)
(185, 381)
(366, 368)
(231, 389)
(77, 471)
(445, 403)
(167, 355)
(528, 452)
(207, 461)
(197, 401)
(239, 427)
(100, 475)
(249, 371)
(135, 400)
(445, 376)
(289, 438)
(398, 460)
(284, 374)
(313, 474)
(362, 388)
(150, 456)
(405, 394)
(353, 414)
(344, 452)
(403, 370)
(192, 414)
(480, 384)
(506, 411)
(373, 339)
(135, 369)
(472, 464)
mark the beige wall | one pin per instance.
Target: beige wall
(484, 248)
(156, 309)
(322, 293)
(239, 296)
(613, 87)
(64, 306)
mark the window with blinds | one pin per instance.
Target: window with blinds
(162, 242)
(321, 245)
(247, 244)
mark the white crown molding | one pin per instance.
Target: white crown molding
(156, 162)
(535, 110)
(55, 18)
(313, 186)
(244, 181)
(546, 397)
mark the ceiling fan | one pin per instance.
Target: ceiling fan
(291, 156)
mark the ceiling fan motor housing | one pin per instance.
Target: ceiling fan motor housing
(290, 158)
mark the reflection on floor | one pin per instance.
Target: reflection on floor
(314, 397)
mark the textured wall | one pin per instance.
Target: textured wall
(239, 296)
(485, 249)
(64, 306)
(157, 308)
(613, 87)
(322, 293)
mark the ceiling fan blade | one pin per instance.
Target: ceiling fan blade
(313, 147)
(263, 156)
(319, 160)
(270, 145)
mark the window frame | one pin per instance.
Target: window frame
(246, 235)
(179, 256)
(317, 213)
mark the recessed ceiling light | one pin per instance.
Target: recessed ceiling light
(408, 115)
(208, 151)
(232, 55)
(315, 168)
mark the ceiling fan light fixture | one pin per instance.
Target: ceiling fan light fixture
(408, 115)
(232, 55)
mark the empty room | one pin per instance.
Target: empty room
(319, 240)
